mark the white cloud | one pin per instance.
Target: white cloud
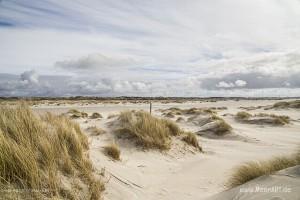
(29, 77)
(237, 83)
(240, 83)
(223, 84)
(68, 86)
(145, 51)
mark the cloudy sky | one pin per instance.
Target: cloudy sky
(150, 48)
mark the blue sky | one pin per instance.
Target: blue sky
(158, 47)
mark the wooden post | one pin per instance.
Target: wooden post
(150, 107)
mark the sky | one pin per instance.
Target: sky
(191, 48)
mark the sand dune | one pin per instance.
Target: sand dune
(284, 184)
(182, 172)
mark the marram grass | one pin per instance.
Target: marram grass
(36, 152)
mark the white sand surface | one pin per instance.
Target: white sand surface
(182, 173)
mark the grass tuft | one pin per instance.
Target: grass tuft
(172, 112)
(191, 139)
(287, 104)
(77, 114)
(242, 115)
(281, 120)
(113, 151)
(222, 127)
(96, 115)
(252, 170)
(36, 151)
(149, 131)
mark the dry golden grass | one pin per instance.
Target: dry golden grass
(278, 119)
(222, 127)
(36, 151)
(95, 131)
(173, 111)
(281, 120)
(149, 131)
(77, 114)
(191, 139)
(287, 104)
(242, 115)
(112, 151)
(197, 111)
(96, 115)
(252, 170)
(273, 119)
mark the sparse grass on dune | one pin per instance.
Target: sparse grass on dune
(287, 104)
(252, 170)
(197, 111)
(96, 115)
(35, 152)
(278, 119)
(242, 115)
(191, 139)
(77, 114)
(281, 120)
(174, 129)
(222, 127)
(112, 151)
(282, 104)
(173, 111)
(149, 131)
(274, 119)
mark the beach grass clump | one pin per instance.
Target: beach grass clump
(172, 112)
(262, 118)
(281, 104)
(174, 129)
(96, 115)
(222, 127)
(113, 151)
(198, 111)
(287, 104)
(191, 139)
(277, 119)
(242, 115)
(149, 131)
(254, 169)
(281, 120)
(74, 114)
(35, 152)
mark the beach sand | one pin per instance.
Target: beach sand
(183, 173)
